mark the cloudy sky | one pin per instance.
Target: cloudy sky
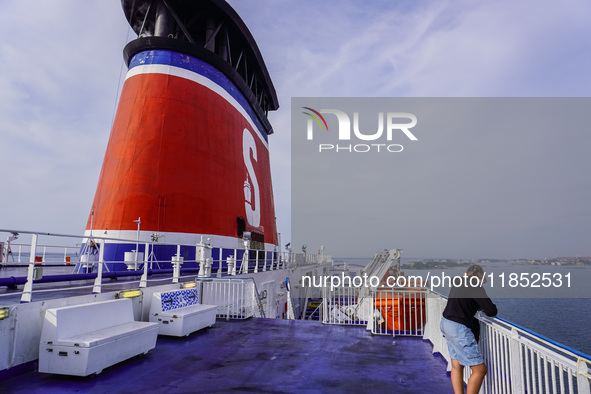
(487, 177)
(61, 67)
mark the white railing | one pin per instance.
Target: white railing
(518, 360)
(384, 310)
(340, 306)
(18, 253)
(254, 262)
(236, 298)
(522, 361)
(249, 261)
(401, 311)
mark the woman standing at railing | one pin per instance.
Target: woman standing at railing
(462, 330)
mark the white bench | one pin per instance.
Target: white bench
(84, 339)
(179, 313)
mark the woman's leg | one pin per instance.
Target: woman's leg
(475, 381)
(457, 376)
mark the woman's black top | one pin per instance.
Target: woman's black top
(463, 303)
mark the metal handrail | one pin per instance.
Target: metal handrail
(271, 260)
(257, 298)
(519, 360)
(314, 311)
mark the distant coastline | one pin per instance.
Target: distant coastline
(428, 264)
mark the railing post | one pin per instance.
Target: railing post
(516, 362)
(324, 305)
(583, 377)
(226, 297)
(244, 266)
(289, 313)
(144, 279)
(208, 264)
(220, 264)
(176, 265)
(99, 276)
(28, 289)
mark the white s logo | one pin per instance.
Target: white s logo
(253, 215)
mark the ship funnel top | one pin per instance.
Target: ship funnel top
(210, 30)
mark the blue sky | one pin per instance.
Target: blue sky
(61, 65)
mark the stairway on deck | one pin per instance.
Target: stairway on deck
(313, 309)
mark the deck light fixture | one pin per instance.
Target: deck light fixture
(4, 313)
(188, 285)
(129, 293)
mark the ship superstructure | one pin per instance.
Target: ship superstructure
(188, 157)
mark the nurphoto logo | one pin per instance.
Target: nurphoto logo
(389, 125)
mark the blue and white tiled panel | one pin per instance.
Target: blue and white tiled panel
(178, 299)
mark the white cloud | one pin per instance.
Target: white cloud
(59, 70)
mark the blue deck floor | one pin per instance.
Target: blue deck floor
(262, 355)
